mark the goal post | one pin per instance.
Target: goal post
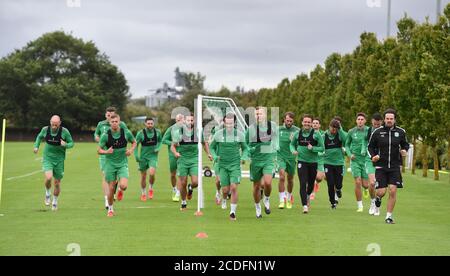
(2, 156)
(212, 110)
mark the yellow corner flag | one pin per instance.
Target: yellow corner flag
(2, 158)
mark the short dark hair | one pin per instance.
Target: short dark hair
(335, 124)
(377, 116)
(338, 118)
(111, 109)
(149, 119)
(390, 111)
(289, 114)
(361, 114)
(115, 116)
(307, 116)
(317, 119)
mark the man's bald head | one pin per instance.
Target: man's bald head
(179, 118)
(55, 122)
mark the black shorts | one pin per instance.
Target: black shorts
(386, 177)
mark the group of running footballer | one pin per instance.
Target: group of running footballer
(375, 153)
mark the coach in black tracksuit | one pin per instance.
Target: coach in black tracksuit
(386, 147)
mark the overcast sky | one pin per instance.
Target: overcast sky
(250, 43)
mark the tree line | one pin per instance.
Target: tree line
(409, 72)
(58, 73)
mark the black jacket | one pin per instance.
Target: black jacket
(387, 143)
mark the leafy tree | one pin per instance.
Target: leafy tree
(59, 74)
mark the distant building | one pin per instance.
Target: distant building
(158, 97)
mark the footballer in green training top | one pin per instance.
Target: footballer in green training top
(228, 149)
(356, 149)
(102, 128)
(262, 139)
(113, 144)
(167, 140)
(150, 140)
(286, 161)
(185, 149)
(58, 140)
(307, 144)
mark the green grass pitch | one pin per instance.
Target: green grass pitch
(158, 227)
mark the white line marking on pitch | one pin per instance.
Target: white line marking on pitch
(23, 176)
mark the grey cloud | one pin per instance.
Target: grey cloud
(251, 43)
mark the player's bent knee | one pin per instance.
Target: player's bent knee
(381, 192)
(48, 177)
(393, 189)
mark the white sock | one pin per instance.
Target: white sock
(224, 201)
(183, 202)
(144, 191)
(267, 202)
(388, 215)
(177, 192)
(48, 192)
(55, 200)
(217, 193)
(110, 208)
(174, 190)
(151, 186)
(282, 196)
(360, 204)
(233, 208)
(258, 209)
(373, 200)
(289, 196)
